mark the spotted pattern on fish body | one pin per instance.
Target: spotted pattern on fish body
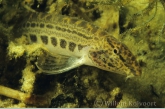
(78, 42)
(44, 39)
(63, 43)
(54, 41)
(33, 37)
(72, 46)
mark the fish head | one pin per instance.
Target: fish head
(115, 57)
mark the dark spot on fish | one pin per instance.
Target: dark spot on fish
(133, 58)
(110, 42)
(58, 28)
(48, 17)
(28, 24)
(94, 30)
(33, 37)
(80, 34)
(114, 42)
(100, 52)
(104, 60)
(44, 39)
(72, 46)
(122, 58)
(68, 31)
(82, 24)
(42, 25)
(110, 65)
(93, 54)
(80, 47)
(73, 20)
(111, 60)
(63, 29)
(88, 28)
(129, 54)
(54, 41)
(63, 20)
(32, 24)
(49, 26)
(74, 32)
(102, 33)
(63, 43)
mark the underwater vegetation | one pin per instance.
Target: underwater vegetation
(139, 24)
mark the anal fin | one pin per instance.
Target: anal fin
(58, 63)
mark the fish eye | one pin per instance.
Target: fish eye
(115, 51)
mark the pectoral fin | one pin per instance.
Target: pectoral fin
(58, 63)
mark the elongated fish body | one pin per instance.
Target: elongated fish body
(72, 42)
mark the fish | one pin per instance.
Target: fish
(72, 42)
